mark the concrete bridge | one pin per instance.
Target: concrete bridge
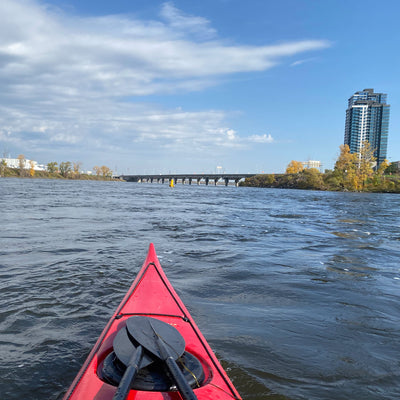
(187, 178)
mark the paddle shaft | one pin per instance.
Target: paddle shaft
(129, 375)
(184, 388)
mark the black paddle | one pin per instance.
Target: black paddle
(129, 375)
(184, 388)
(136, 337)
(132, 356)
(164, 342)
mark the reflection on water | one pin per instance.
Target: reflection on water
(296, 291)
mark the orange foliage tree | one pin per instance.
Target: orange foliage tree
(294, 167)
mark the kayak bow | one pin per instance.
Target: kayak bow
(152, 297)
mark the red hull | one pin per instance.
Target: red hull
(151, 294)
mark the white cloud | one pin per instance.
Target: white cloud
(63, 78)
(199, 26)
(300, 62)
(261, 138)
(231, 134)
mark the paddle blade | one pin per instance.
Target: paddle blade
(140, 329)
(124, 348)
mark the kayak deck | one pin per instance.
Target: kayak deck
(152, 295)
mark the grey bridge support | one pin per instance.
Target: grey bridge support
(189, 178)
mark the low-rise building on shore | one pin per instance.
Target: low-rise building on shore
(27, 164)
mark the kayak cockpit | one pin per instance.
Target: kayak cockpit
(152, 374)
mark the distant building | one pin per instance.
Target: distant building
(396, 164)
(312, 164)
(367, 119)
(15, 163)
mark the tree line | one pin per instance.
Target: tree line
(355, 172)
(65, 169)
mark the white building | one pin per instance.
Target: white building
(15, 163)
(312, 164)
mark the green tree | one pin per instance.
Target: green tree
(65, 169)
(261, 180)
(392, 169)
(311, 178)
(52, 167)
(332, 180)
(267, 179)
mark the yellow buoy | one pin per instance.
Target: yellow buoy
(171, 183)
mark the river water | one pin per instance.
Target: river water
(297, 292)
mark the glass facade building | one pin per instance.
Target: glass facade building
(367, 119)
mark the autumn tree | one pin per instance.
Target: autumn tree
(3, 166)
(106, 172)
(31, 168)
(77, 168)
(346, 168)
(365, 164)
(103, 171)
(65, 168)
(294, 167)
(21, 162)
(383, 167)
(52, 167)
(97, 170)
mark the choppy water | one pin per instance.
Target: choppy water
(297, 292)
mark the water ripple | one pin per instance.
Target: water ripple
(297, 292)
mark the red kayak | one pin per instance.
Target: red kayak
(153, 326)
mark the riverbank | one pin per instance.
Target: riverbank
(16, 173)
(312, 179)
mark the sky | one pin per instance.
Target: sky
(147, 86)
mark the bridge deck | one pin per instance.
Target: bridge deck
(186, 177)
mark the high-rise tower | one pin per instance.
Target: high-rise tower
(367, 119)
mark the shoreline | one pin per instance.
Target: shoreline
(16, 173)
(314, 180)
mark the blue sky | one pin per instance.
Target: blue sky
(151, 86)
